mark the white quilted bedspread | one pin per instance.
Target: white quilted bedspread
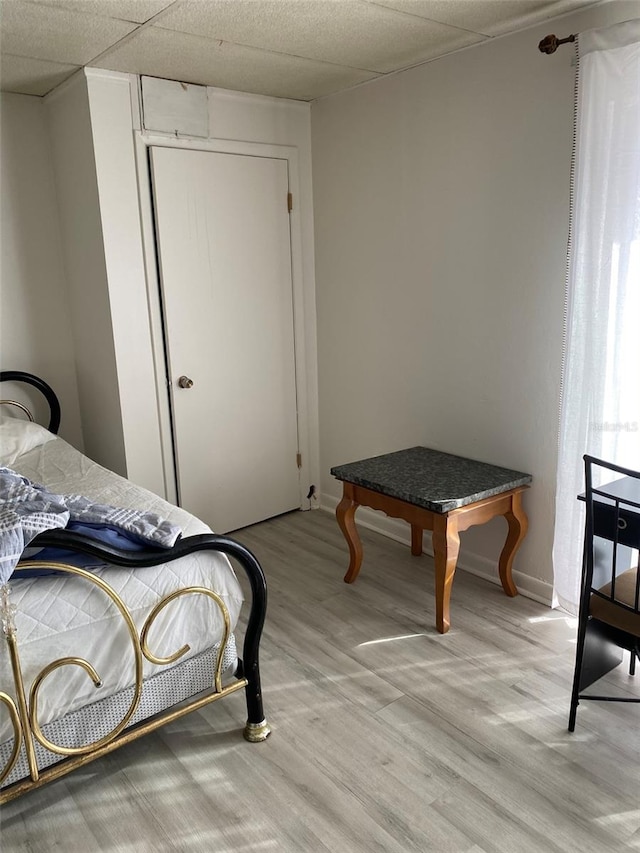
(59, 616)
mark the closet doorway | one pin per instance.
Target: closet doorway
(224, 259)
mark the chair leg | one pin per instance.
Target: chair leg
(632, 662)
(572, 713)
(575, 691)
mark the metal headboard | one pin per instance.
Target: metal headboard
(45, 389)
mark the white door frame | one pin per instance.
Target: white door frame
(143, 141)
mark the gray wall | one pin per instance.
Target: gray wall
(441, 199)
(35, 334)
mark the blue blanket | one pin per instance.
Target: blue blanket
(28, 508)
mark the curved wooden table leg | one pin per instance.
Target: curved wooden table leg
(345, 514)
(416, 540)
(518, 525)
(446, 545)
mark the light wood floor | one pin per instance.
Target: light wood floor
(386, 736)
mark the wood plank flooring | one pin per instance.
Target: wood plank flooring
(386, 735)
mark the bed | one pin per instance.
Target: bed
(104, 643)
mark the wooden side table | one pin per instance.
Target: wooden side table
(439, 492)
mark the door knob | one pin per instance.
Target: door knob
(185, 382)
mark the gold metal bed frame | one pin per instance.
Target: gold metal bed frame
(23, 708)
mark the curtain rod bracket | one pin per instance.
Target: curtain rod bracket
(551, 43)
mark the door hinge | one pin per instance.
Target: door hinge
(289, 202)
(299, 460)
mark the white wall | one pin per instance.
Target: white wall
(35, 334)
(109, 100)
(441, 200)
(88, 303)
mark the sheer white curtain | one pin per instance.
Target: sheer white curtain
(600, 409)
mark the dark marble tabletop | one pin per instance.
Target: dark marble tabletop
(428, 478)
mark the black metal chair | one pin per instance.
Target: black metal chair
(609, 618)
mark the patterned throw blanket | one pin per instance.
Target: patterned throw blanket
(27, 508)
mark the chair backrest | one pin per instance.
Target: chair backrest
(612, 537)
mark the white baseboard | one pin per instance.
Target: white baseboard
(475, 564)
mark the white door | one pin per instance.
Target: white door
(222, 228)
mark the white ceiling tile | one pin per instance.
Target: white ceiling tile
(346, 32)
(192, 59)
(32, 76)
(42, 32)
(125, 10)
(288, 48)
(491, 17)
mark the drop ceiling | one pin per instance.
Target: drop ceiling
(301, 49)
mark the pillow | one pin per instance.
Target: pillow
(18, 437)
